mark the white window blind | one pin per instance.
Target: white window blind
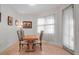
(46, 24)
(41, 21)
(69, 28)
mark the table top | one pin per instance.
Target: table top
(31, 37)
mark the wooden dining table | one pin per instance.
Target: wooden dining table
(30, 40)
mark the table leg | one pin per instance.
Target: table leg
(30, 46)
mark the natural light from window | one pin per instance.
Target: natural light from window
(46, 24)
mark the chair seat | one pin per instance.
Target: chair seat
(37, 41)
(23, 42)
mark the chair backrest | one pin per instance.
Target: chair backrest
(19, 35)
(41, 35)
(22, 33)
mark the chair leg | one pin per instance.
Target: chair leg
(27, 46)
(22, 46)
(19, 47)
(40, 46)
(34, 45)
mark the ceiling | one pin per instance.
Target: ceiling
(28, 10)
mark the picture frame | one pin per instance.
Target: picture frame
(0, 16)
(16, 22)
(27, 24)
(10, 20)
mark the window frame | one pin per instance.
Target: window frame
(44, 25)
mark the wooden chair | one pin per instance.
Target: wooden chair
(20, 37)
(39, 41)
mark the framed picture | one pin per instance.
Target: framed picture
(16, 22)
(10, 20)
(0, 16)
(27, 24)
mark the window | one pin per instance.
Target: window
(68, 34)
(45, 24)
(40, 24)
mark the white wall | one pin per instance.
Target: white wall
(8, 33)
(76, 14)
